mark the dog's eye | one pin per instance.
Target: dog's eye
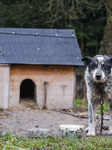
(93, 65)
(104, 65)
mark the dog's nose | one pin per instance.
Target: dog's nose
(98, 76)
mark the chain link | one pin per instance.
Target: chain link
(102, 102)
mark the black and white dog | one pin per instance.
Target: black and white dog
(98, 78)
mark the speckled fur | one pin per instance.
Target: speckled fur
(98, 88)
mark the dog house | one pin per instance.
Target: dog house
(38, 64)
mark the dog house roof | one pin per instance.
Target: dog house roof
(39, 46)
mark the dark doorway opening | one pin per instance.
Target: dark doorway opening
(28, 93)
(27, 89)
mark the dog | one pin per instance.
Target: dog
(98, 78)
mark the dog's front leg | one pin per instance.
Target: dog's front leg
(91, 113)
(110, 124)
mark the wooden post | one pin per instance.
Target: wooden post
(45, 94)
(74, 88)
(4, 86)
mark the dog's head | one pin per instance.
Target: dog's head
(99, 67)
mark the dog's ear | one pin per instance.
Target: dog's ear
(86, 59)
(110, 60)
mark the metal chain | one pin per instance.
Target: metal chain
(102, 102)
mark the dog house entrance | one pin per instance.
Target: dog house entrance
(28, 93)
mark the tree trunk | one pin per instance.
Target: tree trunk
(106, 43)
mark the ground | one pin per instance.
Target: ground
(18, 122)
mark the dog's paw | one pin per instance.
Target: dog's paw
(91, 133)
(110, 132)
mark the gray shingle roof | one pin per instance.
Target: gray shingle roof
(39, 46)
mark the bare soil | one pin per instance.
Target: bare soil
(19, 121)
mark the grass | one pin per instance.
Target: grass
(93, 143)
(79, 103)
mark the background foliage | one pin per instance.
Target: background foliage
(86, 17)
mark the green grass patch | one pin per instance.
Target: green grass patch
(80, 103)
(93, 143)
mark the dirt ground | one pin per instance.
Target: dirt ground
(19, 121)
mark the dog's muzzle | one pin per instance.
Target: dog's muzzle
(98, 76)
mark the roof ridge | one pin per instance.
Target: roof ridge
(36, 34)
